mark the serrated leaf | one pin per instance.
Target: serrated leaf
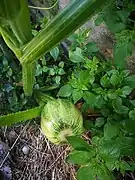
(85, 173)
(65, 91)
(55, 53)
(78, 143)
(80, 157)
(111, 130)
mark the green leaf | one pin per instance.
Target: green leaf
(76, 56)
(65, 91)
(126, 146)
(110, 153)
(109, 148)
(92, 47)
(111, 130)
(115, 20)
(57, 79)
(112, 94)
(118, 107)
(91, 79)
(55, 53)
(99, 102)
(105, 81)
(99, 122)
(126, 90)
(85, 173)
(52, 71)
(84, 77)
(90, 98)
(130, 80)
(125, 73)
(115, 79)
(61, 64)
(124, 166)
(102, 172)
(105, 112)
(132, 114)
(9, 119)
(121, 52)
(80, 157)
(61, 71)
(78, 143)
(132, 102)
(88, 124)
(39, 70)
(91, 65)
(132, 166)
(67, 21)
(129, 125)
(77, 95)
(99, 20)
(8, 87)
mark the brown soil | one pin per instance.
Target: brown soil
(44, 161)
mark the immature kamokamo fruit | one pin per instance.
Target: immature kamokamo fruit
(59, 119)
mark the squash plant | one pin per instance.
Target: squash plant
(16, 31)
(15, 28)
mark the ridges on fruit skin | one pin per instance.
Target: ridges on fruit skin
(59, 119)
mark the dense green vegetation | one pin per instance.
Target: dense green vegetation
(74, 70)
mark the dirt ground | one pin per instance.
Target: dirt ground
(33, 157)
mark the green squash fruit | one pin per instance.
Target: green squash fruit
(59, 119)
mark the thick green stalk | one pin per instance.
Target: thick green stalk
(11, 41)
(65, 23)
(16, 30)
(21, 26)
(28, 77)
(14, 14)
(21, 116)
(42, 98)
